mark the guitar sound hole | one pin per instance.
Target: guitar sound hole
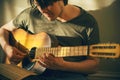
(32, 53)
(26, 63)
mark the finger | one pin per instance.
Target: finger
(42, 64)
(43, 57)
(50, 60)
(46, 60)
(14, 61)
(19, 52)
(49, 56)
(18, 56)
(22, 54)
(41, 61)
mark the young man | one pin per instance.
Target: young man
(71, 25)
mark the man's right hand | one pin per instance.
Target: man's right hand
(14, 55)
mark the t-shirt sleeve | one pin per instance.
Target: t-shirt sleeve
(93, 34)
(22, 20)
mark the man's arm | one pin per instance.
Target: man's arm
(87, 66)
(13, 54)
(4, 33)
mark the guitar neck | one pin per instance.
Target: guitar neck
(97, 50)
(64, 51)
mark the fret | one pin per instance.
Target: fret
(52, 51)
(58, 51)
(49, 50)
(55, 53)
(81, 51)
(68, 51)
(61, 51)
(77, 51)
(72, 50)
(85, 50)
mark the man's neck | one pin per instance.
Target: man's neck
(68, 13)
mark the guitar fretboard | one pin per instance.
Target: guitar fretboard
(64, 51)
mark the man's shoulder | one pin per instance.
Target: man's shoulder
(31, 11)
(26, 10)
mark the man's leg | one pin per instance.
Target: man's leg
(14, 72)
(9, 71)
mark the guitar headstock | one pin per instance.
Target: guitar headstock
(108, 50)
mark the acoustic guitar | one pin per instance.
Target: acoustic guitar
(37, 44)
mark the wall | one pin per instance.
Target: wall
(10, 8)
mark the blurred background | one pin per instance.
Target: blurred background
(106, 12)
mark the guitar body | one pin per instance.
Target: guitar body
(32, 40)
(25, 41)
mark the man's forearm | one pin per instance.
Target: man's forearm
(86, 67)
(4, 37)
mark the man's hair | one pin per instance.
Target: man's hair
(44, 3)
